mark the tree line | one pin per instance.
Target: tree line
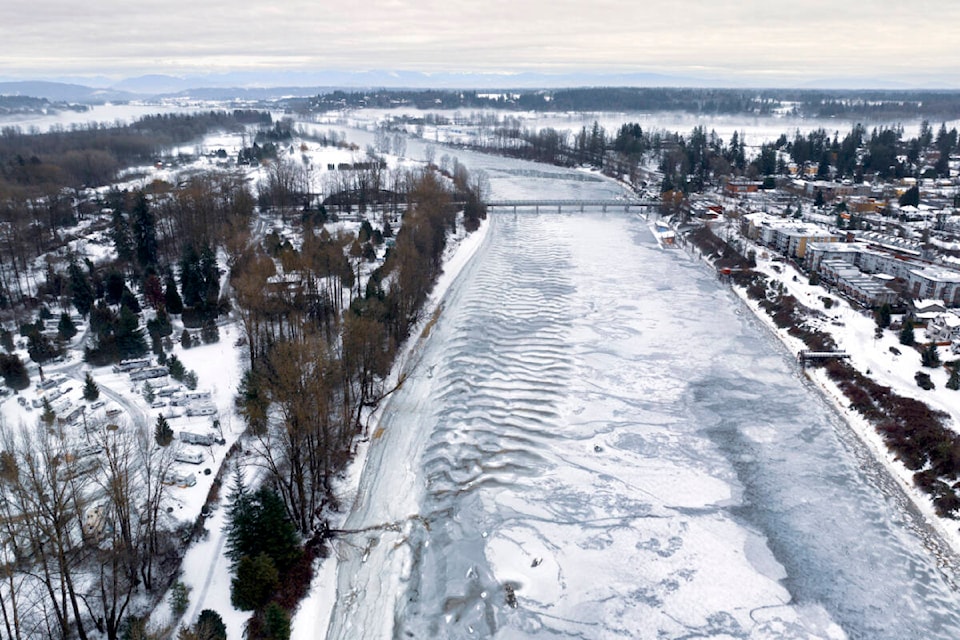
(814, 103)
(90, 155)
(321, 341)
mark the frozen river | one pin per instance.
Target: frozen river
(598, 442)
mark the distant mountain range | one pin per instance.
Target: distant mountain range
(63, 92)
(265, 86)
(275, 85)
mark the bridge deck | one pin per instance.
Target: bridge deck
(580, 205)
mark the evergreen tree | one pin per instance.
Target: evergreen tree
(148, 393)
(906, 334)
(191, 277)
(210, 332)
(14, 372)
(6, 339)
(103, 321)
(176, 368)
(129, 336)
(253, 403)
(929, 356)
(883, 316)
(129, 301)
(90, 389)
(210, 274)
(80, 289)
(144, 232)
(255, 582)
(162, 432)
(114, 286)
(171, 297)
(910, 197)
(258, 524)
(122, 237)
(190, 380)
(954, 381)
(179, 598)
(156, 346)
(40, 348)
(276, 622)
(210, 626)
(160, 325)
(185, 340)
(65, 328)
(48, 415)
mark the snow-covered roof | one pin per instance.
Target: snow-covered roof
(937, 274)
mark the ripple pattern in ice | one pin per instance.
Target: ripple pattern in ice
(608, 450)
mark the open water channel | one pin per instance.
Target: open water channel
(599, 441)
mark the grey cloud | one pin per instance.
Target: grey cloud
(791, 39)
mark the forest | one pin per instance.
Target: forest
(88, 545)
(812, 103)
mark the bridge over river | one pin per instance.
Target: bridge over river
(577, 205)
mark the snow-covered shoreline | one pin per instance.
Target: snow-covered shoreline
(313, 617)
(947, 530)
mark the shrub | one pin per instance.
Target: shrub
(923, 381)
(179, 598)
(954, 382)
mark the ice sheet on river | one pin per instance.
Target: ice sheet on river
(595, 445)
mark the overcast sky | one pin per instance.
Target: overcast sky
(761, 42)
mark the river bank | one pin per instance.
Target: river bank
(313, 617)
(840, 322)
